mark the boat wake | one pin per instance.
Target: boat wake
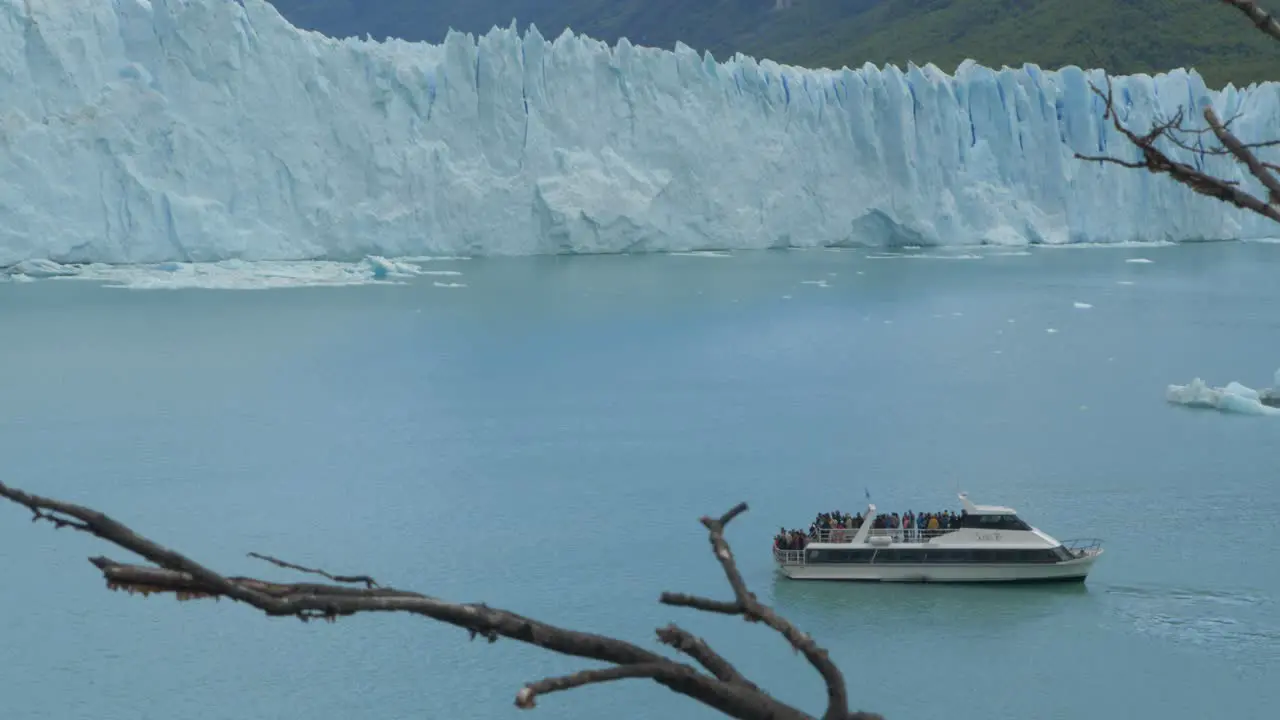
(1234, 622)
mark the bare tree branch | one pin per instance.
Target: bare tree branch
(1261, 18)
(751, 609)
(1257, 168)
(1174, 131)
(724, 689)
(1154, 160)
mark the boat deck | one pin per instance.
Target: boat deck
(897, 535)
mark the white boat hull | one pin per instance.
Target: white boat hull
(1068, 571)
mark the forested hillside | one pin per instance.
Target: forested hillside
(1123, 36)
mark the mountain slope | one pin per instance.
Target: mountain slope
(1124, 36)
(700, 23)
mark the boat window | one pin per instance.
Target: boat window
(906, 556)
(993, 522)
(850, 556)
(1046, 555)
(896, 556)
(838, 556)
(948, 556)
(1036, 556)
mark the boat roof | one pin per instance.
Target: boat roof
(984, 509)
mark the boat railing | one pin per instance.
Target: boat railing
(788, 557)
(904, 535)
(1082, 547)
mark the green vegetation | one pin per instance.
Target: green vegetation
(1124, 36)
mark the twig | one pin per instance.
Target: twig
(360, 579)
(528, 695)
(1199, 150)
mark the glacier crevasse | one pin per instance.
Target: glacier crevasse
(201, 130)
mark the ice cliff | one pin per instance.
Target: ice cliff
(135, 131)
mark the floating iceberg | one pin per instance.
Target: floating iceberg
(148, 131)
(1233, 397)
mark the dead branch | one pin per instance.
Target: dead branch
(1155, 160)
(527, 697)
(697, 648)
(1175, 132)
(724, 688)
(1261, 18)
(752, 610)
(1257, 168)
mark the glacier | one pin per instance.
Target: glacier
(213, 130)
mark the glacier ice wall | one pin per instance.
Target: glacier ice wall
(194, 130)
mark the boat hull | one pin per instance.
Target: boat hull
(1069, 571)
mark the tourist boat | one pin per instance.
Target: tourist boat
(992, 544)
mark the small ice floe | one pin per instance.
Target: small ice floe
(703, 254)
(41, 269)
(1233, 397)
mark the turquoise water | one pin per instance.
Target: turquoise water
(545, 438)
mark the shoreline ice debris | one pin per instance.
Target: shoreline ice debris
(1233, 397)
(150, 131)
(235, 274)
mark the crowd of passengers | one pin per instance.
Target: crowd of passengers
(839, 527)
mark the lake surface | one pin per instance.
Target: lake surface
(545, 438)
